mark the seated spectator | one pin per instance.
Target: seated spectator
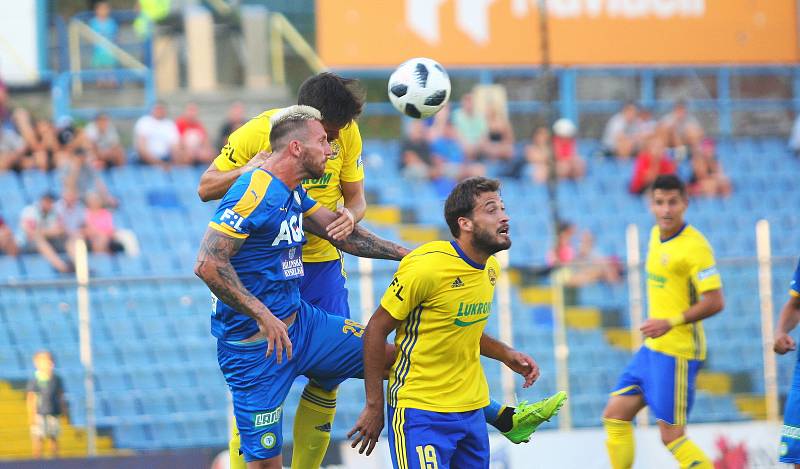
(471, 127)
(708, 178)
(235, 119)
(794, 138)
(584, 265)
(12, 149)
(621, 135)
(103, 24)
(70, 211)
(450, 158)
(647, 126)
(43, 232)
(156, 138)
(569, 164)
(500, 136)
(195, 146)
(416, 159)
(80, 175)
(682, 130)
(536, 153)
(652, 162)
(99, 226)
(104, 141)
(8, 243)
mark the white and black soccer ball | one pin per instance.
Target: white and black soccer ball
(419, 87)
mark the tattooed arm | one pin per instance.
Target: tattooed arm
(361, 242)
(214, 268)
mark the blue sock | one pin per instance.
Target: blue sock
(492, 411)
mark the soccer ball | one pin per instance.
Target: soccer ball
(419, 87)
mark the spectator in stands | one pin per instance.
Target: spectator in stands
(8, 243)
(682, 130)
(43, 149)
(585, 266)
(471, 127)
(647, 126)
(80, 175)
(71, 212)
(569, 164)
(416, 158)
(46, 404)
(621, 135)
(794, 138)
(451, 157)
(99, 226)
(156, 138)
(536, 153)
(652, 162)
(195, 146)
(12, 150)
(5, 107)
(708, 178)
(104, 142)
(104, 25)
(500, 136)
(44, 232)
(235, 119)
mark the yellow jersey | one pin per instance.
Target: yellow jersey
(679, 269)
(346, 166)
(443, 299)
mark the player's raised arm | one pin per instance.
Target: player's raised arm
(214, 268)
(368, 427)
(517, 361)
(361, 242)
(215, 183)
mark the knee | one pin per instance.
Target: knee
(669, 435)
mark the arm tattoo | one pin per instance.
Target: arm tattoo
(363, 243)
(214, 267)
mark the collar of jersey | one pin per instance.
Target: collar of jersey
(466, 258)
(673, 236)
(275, 178)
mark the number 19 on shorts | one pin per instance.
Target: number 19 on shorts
(427, 457)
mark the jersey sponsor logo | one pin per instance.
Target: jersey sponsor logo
(492, 275)
(791, 432)
(232, 219)
(467, 313)
(291, 230)
(397, 288)
(318, 182)
(457, 283)
(658, 280)
(270, 417)
(704, 274)
(292, 263)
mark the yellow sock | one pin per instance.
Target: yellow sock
(689, 455)
(237, 460)
(619, 443)
(312, 427)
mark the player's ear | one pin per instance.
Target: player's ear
(465, 224)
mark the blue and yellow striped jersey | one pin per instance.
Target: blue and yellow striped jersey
(346, 166)
(269, 215)
(443, 300)
(679, 269)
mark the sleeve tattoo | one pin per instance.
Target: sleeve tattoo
(363, 243)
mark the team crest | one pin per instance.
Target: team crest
(292, 252)
(335, 147)
(492, 275)
(664, 260)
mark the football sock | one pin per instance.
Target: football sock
(236, 458)
(689, 455)
(312, 427)
(619, 443)
(492, 411)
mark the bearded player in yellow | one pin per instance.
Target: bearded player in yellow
(340, 101)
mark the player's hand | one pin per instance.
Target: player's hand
(655, 328)
(257, 160)
(344, 224)
(525, 365)
(783, 343)
(367, 429)
(277, 333)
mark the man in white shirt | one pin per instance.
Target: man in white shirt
(620, 137)
(156, 138)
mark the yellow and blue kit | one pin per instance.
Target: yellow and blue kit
(324, 282)
(790, 436)
(437, 389)
(679, 270)
(327, 348)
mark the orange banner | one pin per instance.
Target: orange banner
(376, 33)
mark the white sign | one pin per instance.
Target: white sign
(19, 41)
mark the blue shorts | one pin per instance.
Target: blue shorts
(322, 285)
(666, 383)
(420, 438)
(325, 348)
(790, 435)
